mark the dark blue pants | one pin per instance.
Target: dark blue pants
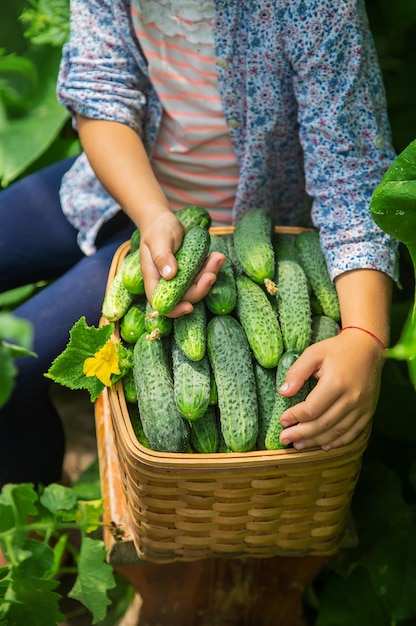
(38, 243)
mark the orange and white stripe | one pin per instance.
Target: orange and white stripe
(193, 159)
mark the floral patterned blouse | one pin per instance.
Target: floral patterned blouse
(303, 99)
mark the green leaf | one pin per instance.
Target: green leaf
(8, 372)
(47, 22)
(24, 139)
(58, 498)
(95, 578)
(88, 485)
(31, 601)
(15, 329)
(67, 368)
(21, 500)
(351, 600)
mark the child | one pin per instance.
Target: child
(230, 105)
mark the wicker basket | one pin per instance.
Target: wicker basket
(257, 504)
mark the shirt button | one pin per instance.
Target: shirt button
(221, 62)
(379, 141)
(233, 123)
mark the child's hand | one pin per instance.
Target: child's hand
(348, 368)
(159, 242)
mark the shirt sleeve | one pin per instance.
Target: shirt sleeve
(344, 129)
(99, 75)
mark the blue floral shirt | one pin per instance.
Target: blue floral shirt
(303, 99)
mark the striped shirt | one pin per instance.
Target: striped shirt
(193, 158)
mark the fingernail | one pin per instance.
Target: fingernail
(166, 271)
(299, 445)
(284, 387)
(326, 447)
(285, 441)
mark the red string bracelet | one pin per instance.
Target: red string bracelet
(380, 343)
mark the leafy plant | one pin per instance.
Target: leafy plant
(34, 535)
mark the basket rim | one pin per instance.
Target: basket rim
(218, 460)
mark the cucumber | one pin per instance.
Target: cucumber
(190, 332)
(232, 255)
(313, 262)
(266, 390)
(135, 240)
(129, 387)
(137, 426)
(323, 327)
(213, 395)
(191, 384)
(162, 423)
(156, 325)
(284, 246)
(253, 242)
(205, 432)
(132, 324)
(231, 361)
(192, 215)
(293, 305)
(118, 299)
(281, 403)
(190, 258)
(222, 296)
(131, 273)
(259, 321)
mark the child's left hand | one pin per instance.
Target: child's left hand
(348, 368)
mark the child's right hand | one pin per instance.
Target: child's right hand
(159, 241)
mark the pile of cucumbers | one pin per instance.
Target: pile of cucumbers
(208, 381)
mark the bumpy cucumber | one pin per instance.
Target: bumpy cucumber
(163, 425)
(131, 273)
(232, 255)
(205, 435)
(284, 246)
(129, 387)
(132, 324)
(313, 262)
(117, 299)
(293, 305)
(266, 390)
(253, 234)
(192, 215)
(190, 258)
(191, 384)
(259, 321)
(281, 403)
(231, 361)
(135, 240)
(323, 327)
(156, 325)
(222, 296)
(190, 332)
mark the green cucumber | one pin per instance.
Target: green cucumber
(191, 383)
(231, 361)
(284, 247)
(190, 258)
(131, 273)
(293, 305)
(132, 324)
(313, 262)
(156, 325)
(266, 390)
(259, 321)
(281, 403)
(222, 296)
(190, 332)
(323, 327)
(129, 387)
(205, 432)
(192, 215)
(162, 423)
(135, 240)
(118, 299)
(253, 242)
(137, 426)
(232, 255)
